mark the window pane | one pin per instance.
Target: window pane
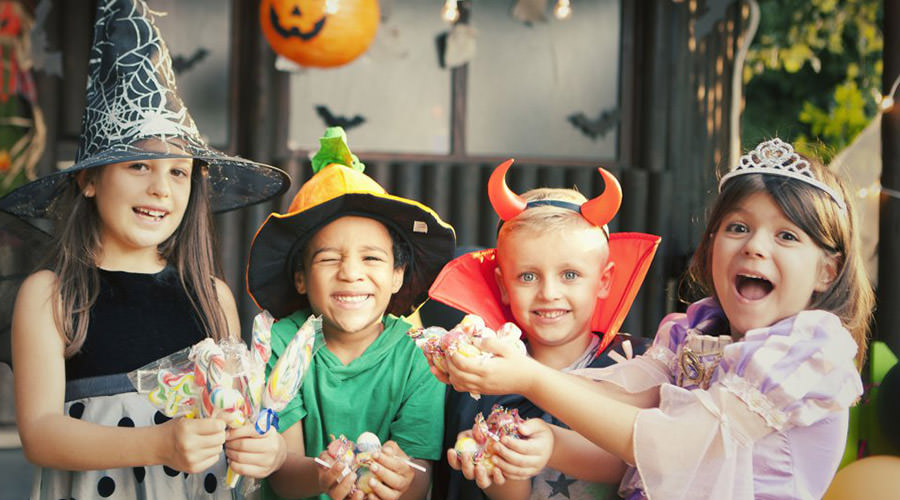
(198, 34)
(525, 81)
(398, 86)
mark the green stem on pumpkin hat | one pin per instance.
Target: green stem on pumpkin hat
(334, 149)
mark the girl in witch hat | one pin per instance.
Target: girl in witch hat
(129, 280)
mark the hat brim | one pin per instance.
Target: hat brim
(234, 182)
(270, 278)
(468, 284)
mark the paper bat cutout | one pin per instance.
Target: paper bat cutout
(338, 121)
(597, 127)
(181, 64)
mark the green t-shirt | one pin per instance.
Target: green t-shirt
(388, 391)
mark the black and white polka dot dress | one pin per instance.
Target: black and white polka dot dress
(138, 318)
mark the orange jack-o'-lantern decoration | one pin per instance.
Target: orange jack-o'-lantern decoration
(320, 33)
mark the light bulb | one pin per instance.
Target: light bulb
(450, 12)
(562, 10)
(331, 6)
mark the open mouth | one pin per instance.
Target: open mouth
(150, 213)
(753, 287)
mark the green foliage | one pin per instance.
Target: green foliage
(813, 73)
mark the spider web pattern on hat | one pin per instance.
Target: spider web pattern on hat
(131, 86)
(133, 113)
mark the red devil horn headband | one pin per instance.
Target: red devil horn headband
(598, 211)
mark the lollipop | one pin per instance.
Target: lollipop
(176, 393)
(287, 374)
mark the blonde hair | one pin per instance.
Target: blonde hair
(547, 218)
(850, 295)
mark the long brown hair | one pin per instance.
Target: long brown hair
(850, 296)
(189, 250)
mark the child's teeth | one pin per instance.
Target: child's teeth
(554, 314)
(352, 298)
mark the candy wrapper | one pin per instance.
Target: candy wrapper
(501, 422)
(271, 395)
(437, 343)
(227, 380)
(357, 457)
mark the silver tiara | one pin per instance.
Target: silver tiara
(776, 157)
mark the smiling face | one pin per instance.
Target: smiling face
(764, 267)
(551, 281)
(140, 204)
(349, 276)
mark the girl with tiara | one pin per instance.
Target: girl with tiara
(130, 280)
(747, 394)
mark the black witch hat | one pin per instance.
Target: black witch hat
(133, 113)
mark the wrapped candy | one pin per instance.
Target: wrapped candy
(357, 457)
(437, 343)
(269, 396)
(287, 374)
(227, 380)
(501, 422)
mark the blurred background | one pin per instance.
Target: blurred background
(434, 93)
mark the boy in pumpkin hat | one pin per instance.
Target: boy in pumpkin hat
(559, 275)
(359, 257)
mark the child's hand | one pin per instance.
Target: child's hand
(254, 455)
(438, 373)
(525, 457)
(474, 472)
(508, 372)
(338, 482)
(392, 475)
(192, 445)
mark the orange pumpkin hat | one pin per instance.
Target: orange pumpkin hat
(468, 283)
(340, 188)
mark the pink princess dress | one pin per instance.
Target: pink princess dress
(762, 418)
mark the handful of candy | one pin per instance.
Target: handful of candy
(357, 457)
(437, 343)
(501, 422)
(228, 381)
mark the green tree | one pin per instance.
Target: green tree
(813, 73)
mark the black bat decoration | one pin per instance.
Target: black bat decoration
(181, 63)
(595, 128)
(338, 121)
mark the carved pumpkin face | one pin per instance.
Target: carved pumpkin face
(320, 33)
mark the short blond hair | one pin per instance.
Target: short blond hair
(547, 217)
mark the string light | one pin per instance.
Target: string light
(562, 10)
(450, 12)
(331, 6)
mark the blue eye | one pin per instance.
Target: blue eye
(528, 277)
(570, 275)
